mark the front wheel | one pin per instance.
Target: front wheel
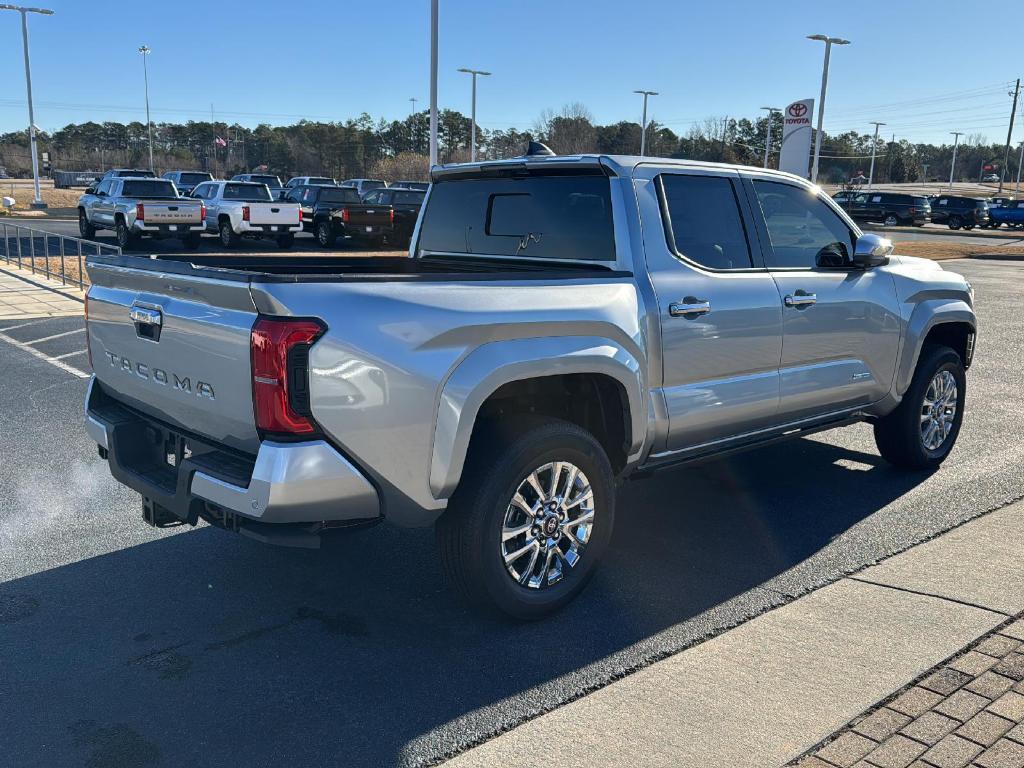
(891, 220)
(85, 229)
(921, 432)
(955, 222)
(527, 526)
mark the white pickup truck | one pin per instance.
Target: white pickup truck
(237, 209)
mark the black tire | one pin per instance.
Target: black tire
(898, 435)
(85, 229)
(227, 235)
(286, 241)
(955, 222)
(126, 239)
(325, 235)
(469, 534)
(192, 241)
(891, 220)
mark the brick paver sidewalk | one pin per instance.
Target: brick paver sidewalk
(23, 295)
(969, 711)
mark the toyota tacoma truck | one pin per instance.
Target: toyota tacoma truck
(237, 209)
(137, 207)
(560, 324)
(333, 212)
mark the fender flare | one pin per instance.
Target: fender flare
(926, 316)
(492, 365)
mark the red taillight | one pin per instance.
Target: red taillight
(280, 374)
(391, 214)
(88, 345)
(300, 215)
(344, 215)
(912, 210)
(202, 211)
(140, 212)
(245, 213)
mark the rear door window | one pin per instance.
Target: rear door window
(704, 221)
(543, 217)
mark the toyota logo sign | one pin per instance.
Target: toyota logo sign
(798, 109)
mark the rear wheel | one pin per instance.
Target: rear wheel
(228, 238)
(85, 229)
(126, 239)
(284, 242)
(529, 522)
(325, 236)
(921, 432)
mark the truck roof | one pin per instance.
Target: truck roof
(613, 165)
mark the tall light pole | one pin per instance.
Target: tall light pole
(874, 145)
(952, 166)
(643, 121)
(413, 99)
(768, 135)
(472, 129)
(829, 42)
(145, 51)
(1020, 163)
(37, 201)
(1009, 136)
(433, 83)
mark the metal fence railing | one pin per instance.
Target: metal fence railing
(56, 256)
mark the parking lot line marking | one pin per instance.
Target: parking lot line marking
(51, 360)
(55, 336)
(24, 325)
(69, 354)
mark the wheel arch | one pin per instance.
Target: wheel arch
(951, 322)
(499, 378)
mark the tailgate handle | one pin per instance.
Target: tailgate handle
(275, 210)
(147, 322)
(172, 207)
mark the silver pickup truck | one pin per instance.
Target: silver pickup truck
(237, 209)
(560, 324)
(136, 207)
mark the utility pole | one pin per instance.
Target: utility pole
(37, 201)
(1009, 135)
(145, 51)
(768, 134)
(1020, 163)
(952, 165)
(874, 144)
(829, 42)
(643, 121)
(892, 151)
(433, 83)
(472, 129)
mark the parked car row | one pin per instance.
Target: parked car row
(184, 204)
(900, 208)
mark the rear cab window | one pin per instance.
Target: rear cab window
(703, 223)
(254, 193)
(148, 188)
(551, 217)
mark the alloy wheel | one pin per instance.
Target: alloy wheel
(547, 525)
(938, 410)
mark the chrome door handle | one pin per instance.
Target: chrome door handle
(800, 300)
(689, 307)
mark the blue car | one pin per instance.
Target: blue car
(1009, 213)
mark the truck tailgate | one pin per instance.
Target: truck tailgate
(369, 215)
(183, 212)
(176, 347)
(261, 214)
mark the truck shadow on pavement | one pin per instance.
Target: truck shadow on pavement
(207, 649)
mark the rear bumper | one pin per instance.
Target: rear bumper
(285, 483)
(248, 228)
(167, 229)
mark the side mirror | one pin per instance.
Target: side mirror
(90, 190)
(871, 251)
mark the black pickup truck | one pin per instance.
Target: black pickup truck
(406, 204)
(333, 212)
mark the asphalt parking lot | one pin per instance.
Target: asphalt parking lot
(121, 645)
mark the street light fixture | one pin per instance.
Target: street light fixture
(768, 136)
(829, 42)
(643, 122)
(433, 82)
(874, 145)
(37, 202)
(472, 135)
(145, 51)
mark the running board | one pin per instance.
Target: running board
(698, 456)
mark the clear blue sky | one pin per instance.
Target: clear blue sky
(271, 61)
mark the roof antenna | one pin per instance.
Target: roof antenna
(537, 149)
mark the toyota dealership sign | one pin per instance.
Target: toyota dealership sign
(796, 137)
